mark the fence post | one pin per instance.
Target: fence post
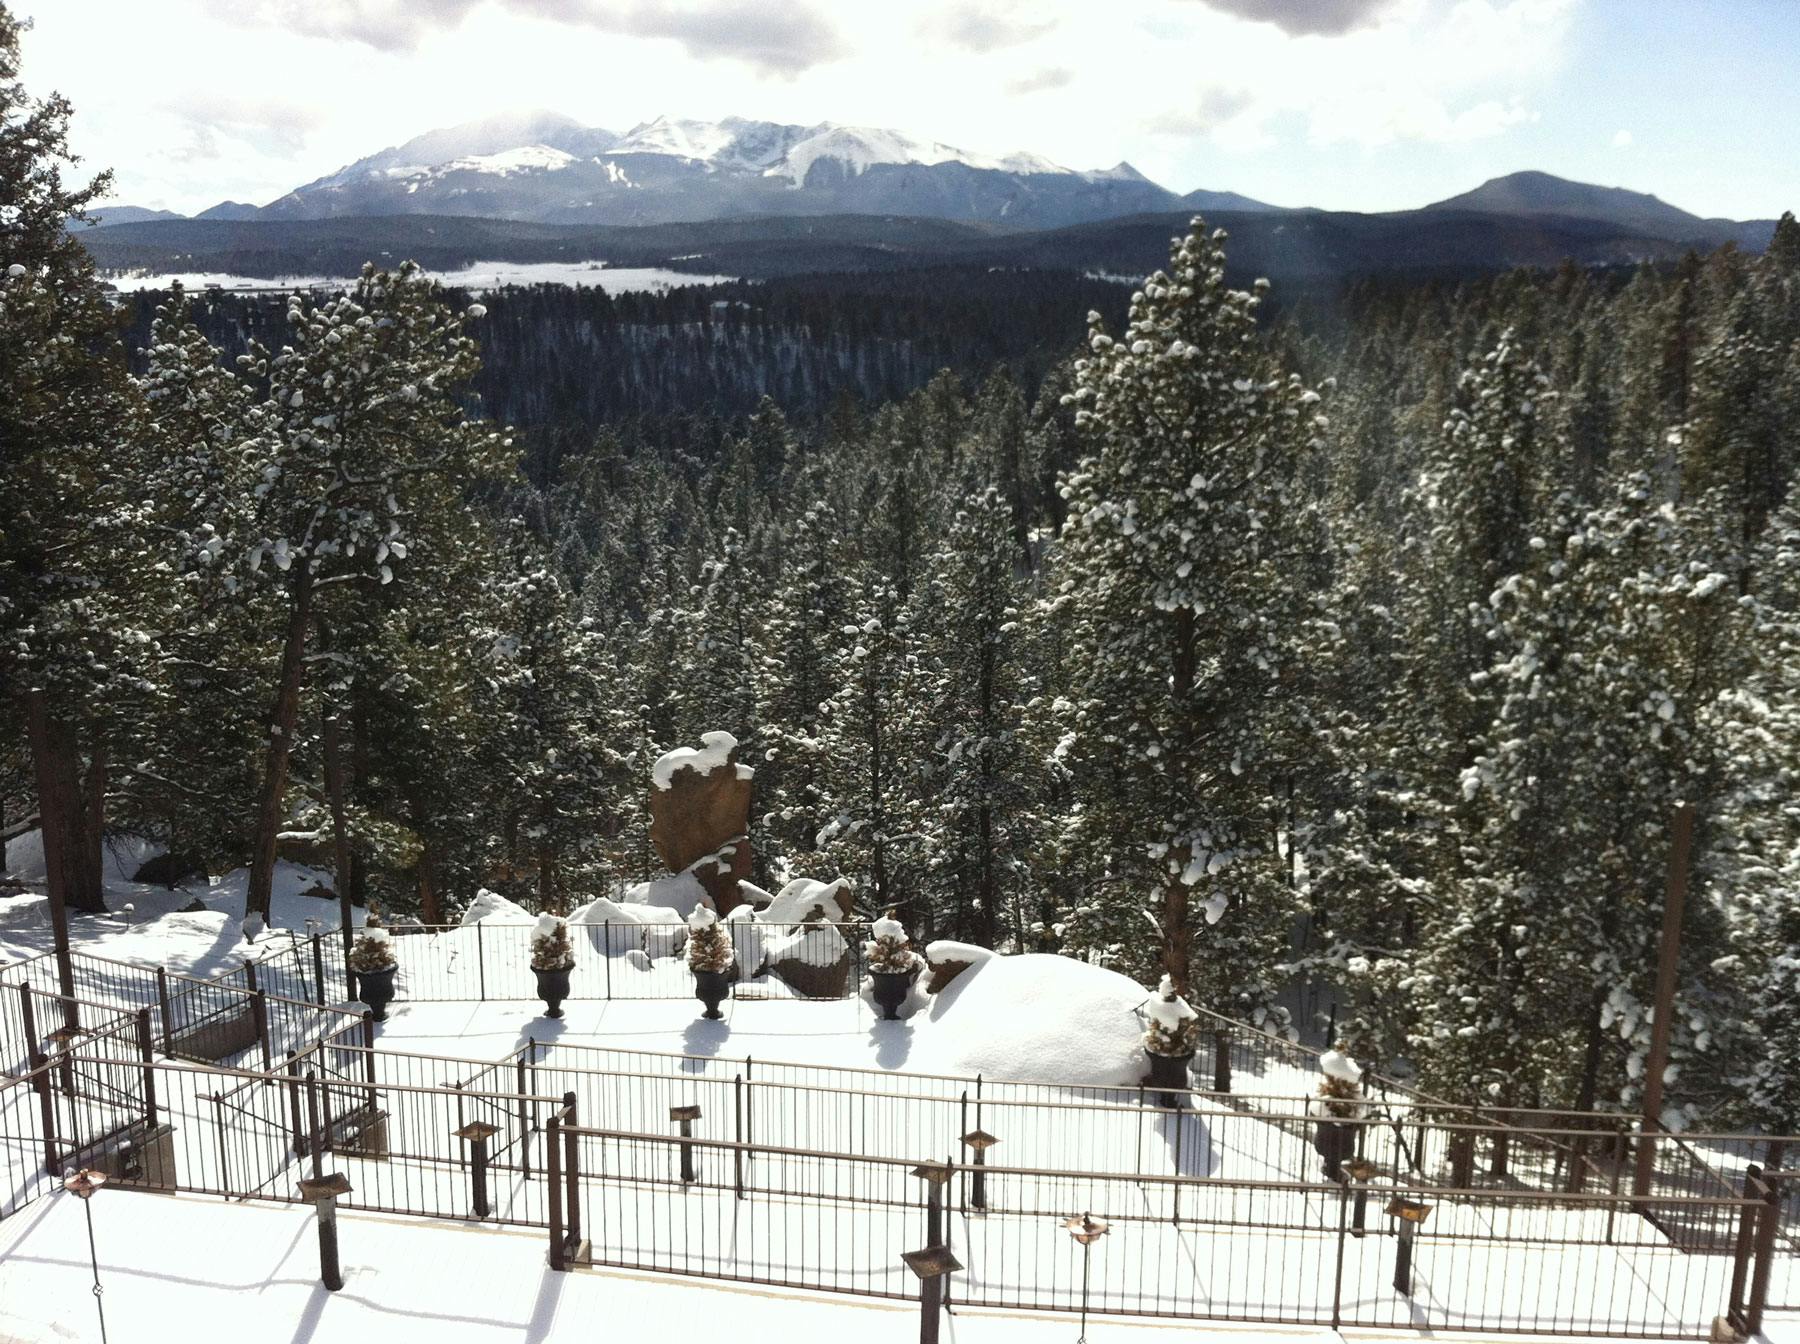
(167, 1011)
(572, 1172)
(1175, 1188)
(318, 958)
(148, 1055)
(608, 928)
(259, 1012)
(737, 1154)
(481, 960)
(553, 1173)
(1767, 1219)
(40, 1080)
(1740, 1248)
(293, 1091)
(224, 1152)
(1221, 1059)
(524, 1120)
(1337, 1282)
(28, 1015)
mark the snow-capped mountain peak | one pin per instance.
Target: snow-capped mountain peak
(548, 167)
(778, 150)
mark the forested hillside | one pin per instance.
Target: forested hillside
(1405, 623)
(555, 357)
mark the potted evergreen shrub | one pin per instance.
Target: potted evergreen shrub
(552, 958)
(1340, 1102)
(372, 958)
(1170, 1036)
(892, 963)
(710, 957)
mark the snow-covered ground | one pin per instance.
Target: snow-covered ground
(479, 278)
(205, 1270)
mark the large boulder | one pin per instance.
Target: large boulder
(805, 901)
(949, 959)
(1038, 1018)
(813, 959)
(700, 816)
(618, 928)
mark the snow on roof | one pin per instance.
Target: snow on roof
(714, 750)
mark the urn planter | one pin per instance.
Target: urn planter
(1335, 1143)
(712, 988)
(376, 989)
(890, 989)
(552, 988)
(1170, 1071)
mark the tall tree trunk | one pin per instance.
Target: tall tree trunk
(93, 839)
(356, 779)
(284, 717)
(431, 906)
(1590, 1064)
(340, 830)
(1177, 930)
(1176, 934)
(53, 759)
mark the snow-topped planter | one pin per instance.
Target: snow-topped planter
(372, 958)
(1171, 1031)
(892, 963)
(552, 958)
(710, 958)
(1340, 1103)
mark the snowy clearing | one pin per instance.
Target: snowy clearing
(479, 277)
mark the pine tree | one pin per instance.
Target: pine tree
(364, 433)
(75, 556)
(981, 790)
(1176, 564)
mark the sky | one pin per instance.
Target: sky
(1343, 104)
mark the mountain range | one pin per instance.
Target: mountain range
(754, 198)
(550, 169)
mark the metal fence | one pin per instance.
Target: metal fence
(779, 1174)
(491, 961)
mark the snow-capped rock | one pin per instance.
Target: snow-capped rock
(1037, 1018)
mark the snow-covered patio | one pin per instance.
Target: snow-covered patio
(213, 1270)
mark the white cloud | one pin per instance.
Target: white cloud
(297, 88)
(1622, 139)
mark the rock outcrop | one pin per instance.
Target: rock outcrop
(700, 816)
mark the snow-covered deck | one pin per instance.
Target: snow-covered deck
(212, 1270)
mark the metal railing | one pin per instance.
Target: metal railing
(490, 961)
(791, 1180)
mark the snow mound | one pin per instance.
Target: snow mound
(803, 896)
(619, 930)
(678, 892)
(1336, 1064)
(1038, 1018)
(25, 857)
(492, 905)
(29, 911)
(948, 949)
(713, 752)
